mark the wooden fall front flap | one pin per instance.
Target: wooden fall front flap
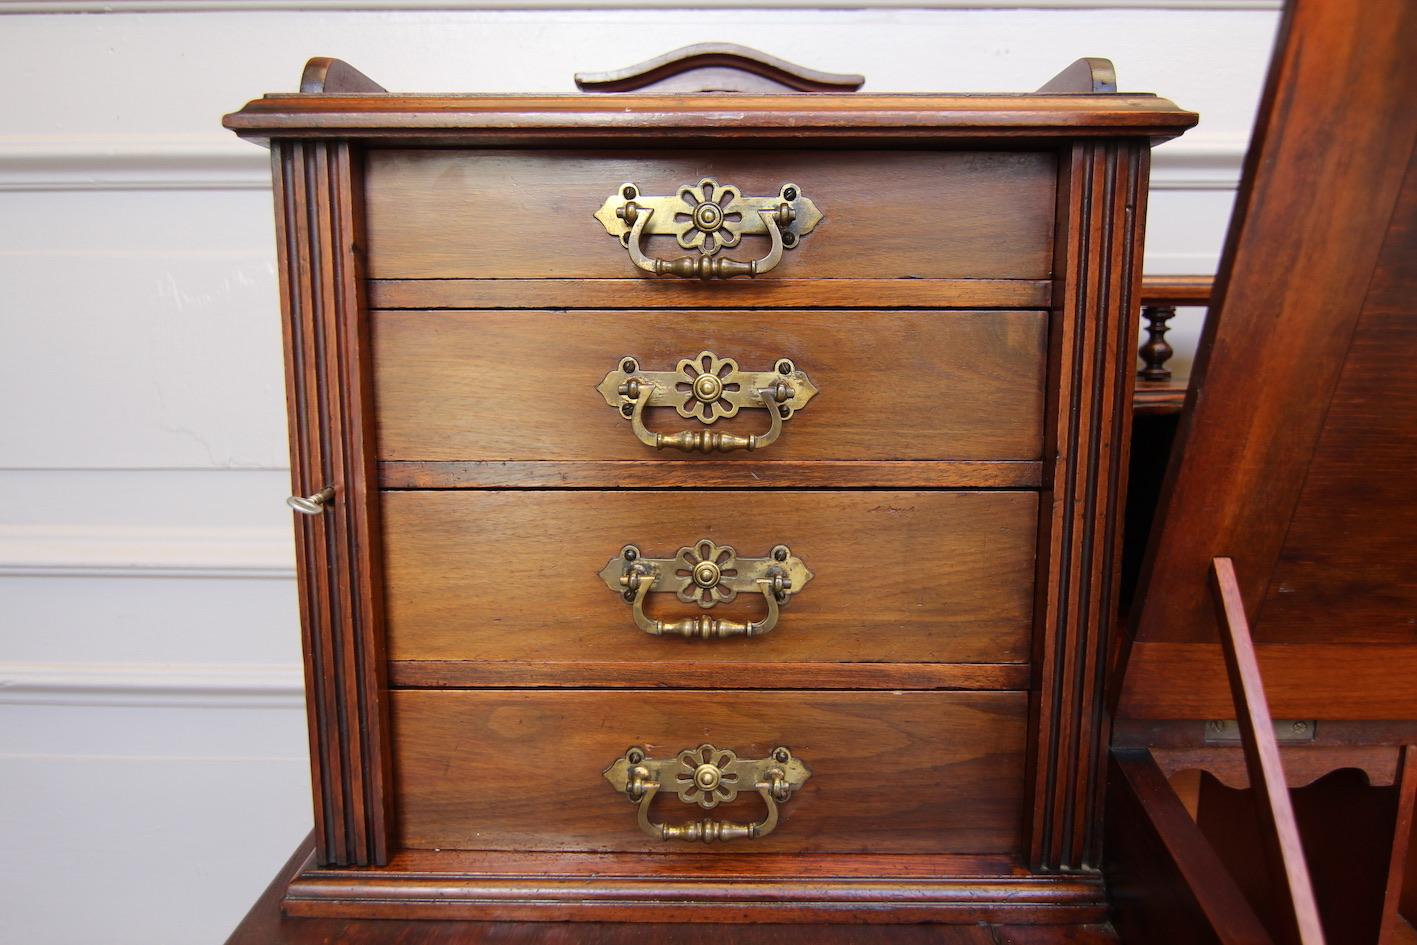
(1290, 479)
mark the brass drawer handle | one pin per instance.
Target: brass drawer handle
(707, 388)
(708, 216)
(707, 574)
(708, 776)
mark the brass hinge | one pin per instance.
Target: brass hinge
(1286, 731)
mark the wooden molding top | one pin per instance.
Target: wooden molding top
(717, 67)
(501, 119)
(338, 101)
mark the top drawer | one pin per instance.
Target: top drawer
(898, 215)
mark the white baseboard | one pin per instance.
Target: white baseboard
(137, 551)
(131, 162)
(162, 685)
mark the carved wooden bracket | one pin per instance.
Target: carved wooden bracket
(325, 76)
(716, 67)
(1087, 76)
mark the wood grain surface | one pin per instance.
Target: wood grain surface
(898, 576)
(1346, 568)
(1096, 934)
(893, 385)
(1282, 359)
(707, 472)
(887, 214)
(1304, 681)
(688, 672)
(893, 772)
(743, 887)
(644, 291)
(268, 924)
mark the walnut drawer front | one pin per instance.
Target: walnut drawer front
(891, 772)
(446, 214)
(928, 577)
(522, 386)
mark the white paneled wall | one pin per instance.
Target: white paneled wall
(152, 755)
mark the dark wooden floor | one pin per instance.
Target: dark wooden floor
(265, 925)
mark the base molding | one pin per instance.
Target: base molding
(714, 887)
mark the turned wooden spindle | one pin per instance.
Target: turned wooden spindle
(1156, 350)
(1160, 297)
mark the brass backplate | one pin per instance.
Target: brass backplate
(706, 573)
(708, 776)
(709, 216)
(708, 388)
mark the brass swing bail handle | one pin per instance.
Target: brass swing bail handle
(703, 626)
(706, 267)
(707, 776)
(708, 217)
(707, 388)
(707, 574)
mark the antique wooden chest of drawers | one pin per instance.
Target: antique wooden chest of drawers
(712, 500)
